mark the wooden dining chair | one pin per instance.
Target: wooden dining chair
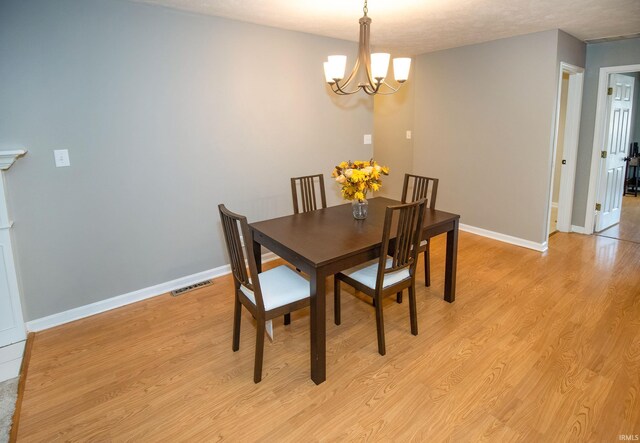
(421, 188)
(389, 274)
(308, 199)
(267, 295)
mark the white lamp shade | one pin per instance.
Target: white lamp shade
(336, 66)
(327, 73)
(379, 65)
(401, 68)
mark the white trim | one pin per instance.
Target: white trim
(131, 297)
(570, 152)
(11, 360)
(12, 329)
(598, 140)
(7, 158)
(578, 229)
(570, 146)
(540, 247)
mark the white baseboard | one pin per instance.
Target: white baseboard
(131, 297)
(11, 360)
(540, 247)
(578, 229)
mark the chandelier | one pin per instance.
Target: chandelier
(369, 72)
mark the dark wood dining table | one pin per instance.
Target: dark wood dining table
(326, 241)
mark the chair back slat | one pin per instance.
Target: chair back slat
(233, 225)
(306, 200)
(408, 234)
(421, 188)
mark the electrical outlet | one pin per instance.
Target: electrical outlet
(367, 139)
(61, 157)
(408, 135)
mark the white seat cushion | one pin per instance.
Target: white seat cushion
(368, 272)
(280, 286)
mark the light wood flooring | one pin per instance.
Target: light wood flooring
(536, 348)
(629, 227)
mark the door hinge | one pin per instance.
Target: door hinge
(610, 91)
(598, 207)
(603, 154)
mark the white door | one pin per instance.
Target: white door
(616, 143)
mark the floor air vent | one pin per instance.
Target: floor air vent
(193, 287)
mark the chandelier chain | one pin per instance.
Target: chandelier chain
(365, 9)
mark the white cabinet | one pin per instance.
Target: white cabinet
(12, 328)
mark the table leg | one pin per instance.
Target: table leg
(451, 264)
(318, 327)
(257, 254)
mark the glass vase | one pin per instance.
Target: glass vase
(360, 209)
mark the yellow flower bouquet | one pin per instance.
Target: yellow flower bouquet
(359, 177)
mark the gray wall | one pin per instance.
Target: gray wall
(393, 117)
(616, 53)
(484, 125)
(571, 50)
(165, 114)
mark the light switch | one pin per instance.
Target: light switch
(367, 139)
(62, 157)
(408, 135)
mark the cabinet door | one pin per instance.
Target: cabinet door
(11, 322)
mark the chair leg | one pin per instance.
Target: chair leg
(427, 270)
(380, 326)
(257, 369)
(399, 297)
(287, 319)
(336, 300)
(413, 311)
(237, 311)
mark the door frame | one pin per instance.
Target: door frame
(599, 134)
(570, 145)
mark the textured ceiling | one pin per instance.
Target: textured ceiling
(410, 27)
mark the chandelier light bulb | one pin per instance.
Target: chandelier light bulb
(337, 66)
(401, 68)
(379, 65)
(327, 73)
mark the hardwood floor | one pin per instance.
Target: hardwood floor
(537, 347)
(629, 227)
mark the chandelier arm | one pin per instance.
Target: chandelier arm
(338, 90)
(391, 87)
(393, 90)
(368, 91)
(371, 89)
(352, 75)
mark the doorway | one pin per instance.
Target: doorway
(619, 216)
(565, 148)
(617, 127)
